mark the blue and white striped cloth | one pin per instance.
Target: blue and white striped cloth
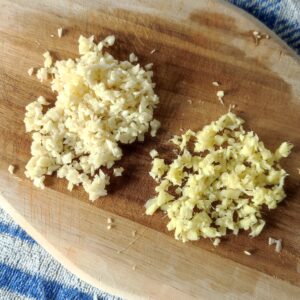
(27, 271)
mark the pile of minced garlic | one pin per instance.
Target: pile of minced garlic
(101, 103)
(219, 182)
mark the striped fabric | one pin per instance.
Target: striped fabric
(281, 16)
(28, 272)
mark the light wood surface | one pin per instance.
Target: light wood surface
(197, 42)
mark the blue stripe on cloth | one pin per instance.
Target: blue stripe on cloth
(36, 287)
(15, 231)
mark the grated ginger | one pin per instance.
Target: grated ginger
(221, 184)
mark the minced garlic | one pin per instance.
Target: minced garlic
(30, 71)
(219, 184)
(118, 171)
(153, 153)
(11, 169)
(220, 95)
(133, 58)
(101, 103)
(59, 32)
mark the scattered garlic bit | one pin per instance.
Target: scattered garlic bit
(109, 226)
(118, 171)
(30, 71)
(155, 125)
(48, 60)
(149, 66)
(39, 182)
(271, 241)
(52, 35)
(153, 153)
(284, 150)
(220, 95)
(42, 74)
(109, 220)
(153, 51)
(133, 233)
(225, 175)
(134, 267)
(189, 101)
(247, 253)
(258, 36)
(231, 107)
(278, 245)
(215, 83)
(216, 242)
(101, 103)
(59, 32)
(109, 41)
(11, 169)
(132, 57)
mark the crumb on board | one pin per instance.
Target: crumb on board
(190, 101)
(216, 242)
(109, 220)
(59, 32)
(11, 169)
(231, 107)
(277, 243)
(247, 252)
(30, 71)
(258, 36)
(153, 51)
(215, 83)
(278, 246)
(271, 241)
(220, 95)
(52, 35)
(149, 66)
(109, 226)
(133, 267)
(133, 233)
(118, 172)
(153, 153)
(132, 57)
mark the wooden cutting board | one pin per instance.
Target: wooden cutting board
(197, 42)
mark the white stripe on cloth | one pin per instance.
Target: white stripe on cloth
(8, 295)
(6, 219)
(32, 259)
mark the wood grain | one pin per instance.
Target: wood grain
(197, 43)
